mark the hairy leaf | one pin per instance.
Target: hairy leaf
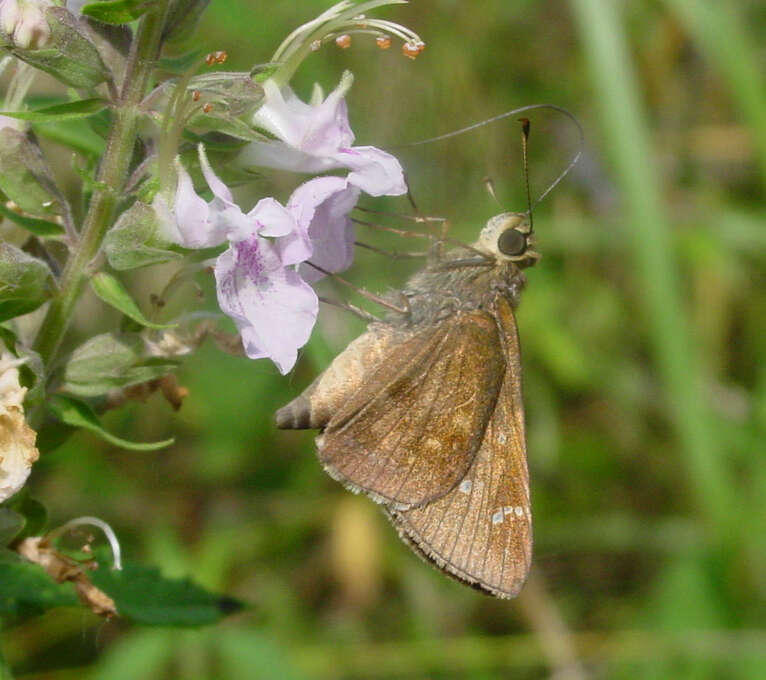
(132, 242)
(24, 282)
(38, 227)
(110, 361)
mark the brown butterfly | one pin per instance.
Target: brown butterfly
(423, 412)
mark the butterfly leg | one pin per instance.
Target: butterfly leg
(404, 309)
(356, 311)
(394, 254)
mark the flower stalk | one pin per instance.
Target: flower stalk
(111, 177)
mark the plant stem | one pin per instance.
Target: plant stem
(110, 180)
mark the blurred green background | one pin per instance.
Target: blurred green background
(643, 330)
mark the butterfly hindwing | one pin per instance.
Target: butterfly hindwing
(410, 432)
(481, 531)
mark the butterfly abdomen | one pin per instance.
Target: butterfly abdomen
(314, 408)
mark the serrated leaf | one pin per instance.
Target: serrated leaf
(11, 523)
(39, 227)
(111, 291)
(27, 590)
(78, 414)
(143, 595)
(116, 11)
(81, 108)
(24, 282)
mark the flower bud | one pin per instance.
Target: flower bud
(24, 24)
(49, 38)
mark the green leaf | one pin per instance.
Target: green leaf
(11, 523)
(73, 133)
(144, 596)
(53, 434)
(116, 11)
(25, 176)
(69, 54)
(27, 590)
(8, 556)
(81, 108)
(78, 414)
(132, 242)
(31, 511)
(39, 227)
(111, 291)
(24, 282)
(109, 361)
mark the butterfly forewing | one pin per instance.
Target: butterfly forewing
(411, 431)
(481, 531)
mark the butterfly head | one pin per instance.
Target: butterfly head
(508, 237)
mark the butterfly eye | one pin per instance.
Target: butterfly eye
(512, 242)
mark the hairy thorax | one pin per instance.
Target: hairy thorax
(441, 289)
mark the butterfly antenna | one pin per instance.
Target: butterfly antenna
(524, 140)
(514, 112)
(575, 157)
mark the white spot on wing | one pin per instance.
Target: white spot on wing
(497, 517)
(501, 438)
(465, 486)
(519, 511)
(507, 510)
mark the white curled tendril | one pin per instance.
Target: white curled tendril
(114, 544)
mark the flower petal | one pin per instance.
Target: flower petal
(219, 189)
(323, 205)
(193, 216)
(308, 136)
(328, 128)
(283, 114)
(273, 218)
(374, 171)
(274, 309)
(282, 156)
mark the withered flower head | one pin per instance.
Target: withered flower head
(17, 439)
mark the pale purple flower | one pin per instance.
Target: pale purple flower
(189, 219)
(272, 306)
(317, 137)
(262, 277)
